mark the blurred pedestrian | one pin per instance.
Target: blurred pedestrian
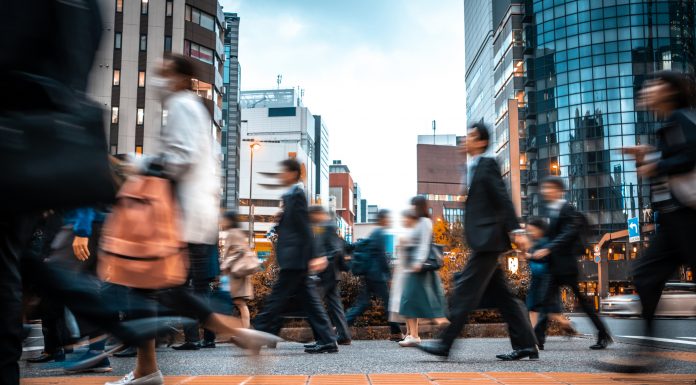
(565, 244)
(237, 250)
(540, 311)
(296, 260)
(423, 295)
(377, 277)
(670, 167)
(489, 218)
(328, 244)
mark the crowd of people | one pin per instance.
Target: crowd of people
(127, 270)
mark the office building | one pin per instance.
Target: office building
(231, 113)
(357, 203)
(137, 35)
(440, 171)
(363, 211)
(275, 126)
(478, 60)
(321, 160)
(372, 211)
(342, 188)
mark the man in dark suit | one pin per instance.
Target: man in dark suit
(377, 277)
(565, 245)
(295, 256)
(328, 244)
(489, 218)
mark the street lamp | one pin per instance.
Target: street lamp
(253, 146)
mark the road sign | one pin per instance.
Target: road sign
(597, 258)
(633, 230)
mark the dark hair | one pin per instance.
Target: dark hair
(316, 209)
(538, 223)
(382, 214)
(420, 205)
(231, 215)
(682, 84)
(292, 165)
(483, 133)
(554, 180)
(183, 66)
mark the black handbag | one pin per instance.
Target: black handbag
(53, 155)
(434, 260)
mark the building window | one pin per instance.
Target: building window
(187, 13)
(141, 79)
(199, 17)
(143, 7)
(114, 149)
(140, 117)
(198, 52)
(167, 44)
(117, 40)
(143, 42)
(117, 77)
(114, 114)
(138, 149)
(170, 8)
(119, 5)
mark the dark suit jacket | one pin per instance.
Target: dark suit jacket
(565, 241)
(328, 244)
(295, 241)
(379, 269)
(489, 215)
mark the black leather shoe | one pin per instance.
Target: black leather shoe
(127, 352)
(207, 345)
(515, 355)
(319, 349)
(603, 340)
(434, 348)
(346, 341)
(58, 356)
(309, 346)
(186, 346)
(396, 337)
(540, 346)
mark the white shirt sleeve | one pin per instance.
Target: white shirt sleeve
(179, 138)
(424, 234)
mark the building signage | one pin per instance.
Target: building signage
(633, 230)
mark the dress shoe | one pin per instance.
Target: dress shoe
(603, 340)
(254, 340)
(187, 346)
(540, 346)
(434, 348)
(58, 356)
(127, 352)
(345, 341)
(207, 345)
(309, 346)
(129, 379)
(396, 337)
(515, 355)
(319, 349)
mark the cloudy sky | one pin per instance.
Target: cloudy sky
(378, 71)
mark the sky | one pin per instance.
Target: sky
(377, 71)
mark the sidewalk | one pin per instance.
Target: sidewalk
(487, 378)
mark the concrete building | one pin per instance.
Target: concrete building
(357, 204)
(321, 160)
(440, 176)
(279, 127)
(137, 35)
(372, 211)
(231, 113)
(342, 188)
(363, 210)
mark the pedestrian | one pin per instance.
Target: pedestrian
(565, 245)
(670, 167)
(235, 248)
(489, 218)
(296, 260)
(376, 279)
(541, 312)
(328, 244)
(423, 295)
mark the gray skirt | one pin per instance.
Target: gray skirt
(422, 296)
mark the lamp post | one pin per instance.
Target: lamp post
(253, 146)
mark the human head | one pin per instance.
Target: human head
(383, 219)
(667, 91)
(410, 218)
(230, 220)
(177, 72)
(291, 172)
(318, 214)
(552, 188)
(477, 139)
(420, 206)
(536, 228)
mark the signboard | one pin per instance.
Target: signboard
(633, 230)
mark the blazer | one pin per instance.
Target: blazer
(328, 244)
(295, 245)
(379, 269)
(565, 240)
(489, 215)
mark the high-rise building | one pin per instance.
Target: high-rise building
(321, 160)
(231, 113)
(137, 36)
(372, 211)
(363, 210)
(357, 203)
(440, 176)
(478, 60)
(342, 188)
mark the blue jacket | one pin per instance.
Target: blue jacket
(379, 270)
(81, 220)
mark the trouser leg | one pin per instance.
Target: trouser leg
(513, 311)
(362, 303)
(199, 285)
(316, 314)
(334, 308)
(585, 304)
(381, 291)
(270, 318)
(540, 328)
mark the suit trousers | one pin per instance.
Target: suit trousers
(289, 283)
(199, 285)
(369, 289)
(571, 281)
(670, 248)
(331, 295)
(483, 275)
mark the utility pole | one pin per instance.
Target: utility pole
(279, 79)
(434, 128)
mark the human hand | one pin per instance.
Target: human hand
(539, 254)
(417, 267)
(647, 170)
(317, 265)
(521, 241)
(80, 248)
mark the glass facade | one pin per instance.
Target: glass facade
(587, 61)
